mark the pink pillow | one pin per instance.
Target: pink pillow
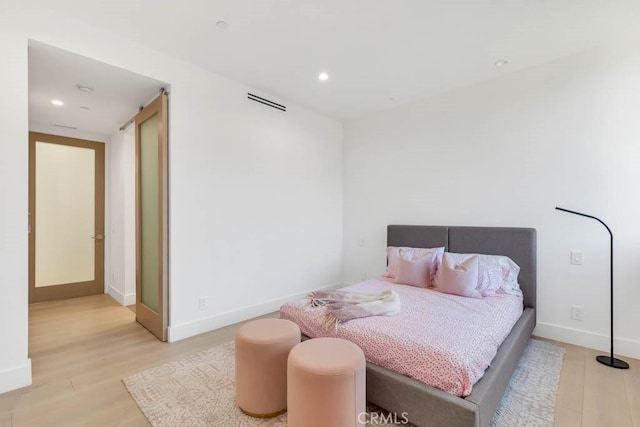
(497, 274)
(393, 253)
(415, 272)
(458, 279)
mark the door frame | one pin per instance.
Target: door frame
(71, 290)
(155, 322)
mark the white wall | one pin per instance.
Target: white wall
(121, 235)
(255, 204)
(15, 366)
(256, 207)
(504, 153)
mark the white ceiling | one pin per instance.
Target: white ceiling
(55, 74)
(378, 53)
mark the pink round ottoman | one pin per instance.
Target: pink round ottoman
(262, 348)
(326, 384)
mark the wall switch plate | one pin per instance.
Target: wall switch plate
(577, 257)
(202, 303)
(362, 243)
(577, 313)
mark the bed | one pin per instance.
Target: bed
(430, 406)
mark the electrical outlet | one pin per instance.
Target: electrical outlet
(202, 303)
(362, 243)
(577, 257)
(577, 313)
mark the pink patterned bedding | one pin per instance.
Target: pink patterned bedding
(445, 341)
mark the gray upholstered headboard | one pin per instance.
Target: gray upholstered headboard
(519, 244)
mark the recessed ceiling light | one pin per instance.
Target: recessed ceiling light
(223, 25)
(57, 102)
(85, 88)
(323, 76)
(501, 63)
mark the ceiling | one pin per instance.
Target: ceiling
(378, 53)
(55, 74)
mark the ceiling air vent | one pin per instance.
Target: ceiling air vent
(64, 126)
(266, 102)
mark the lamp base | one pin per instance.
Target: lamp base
(612, 363)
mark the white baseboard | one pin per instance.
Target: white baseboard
(16, 377)
(196, 327)
(623, 347)
(123, 299)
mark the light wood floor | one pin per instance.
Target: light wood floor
(82, 348)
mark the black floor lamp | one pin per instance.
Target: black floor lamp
(605, 360)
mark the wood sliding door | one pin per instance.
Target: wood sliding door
(151, 217)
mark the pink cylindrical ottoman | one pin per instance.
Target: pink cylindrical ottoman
(262, 348)
(326, 384)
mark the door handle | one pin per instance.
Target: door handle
(98, 237)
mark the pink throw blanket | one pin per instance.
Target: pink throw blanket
(342, 306)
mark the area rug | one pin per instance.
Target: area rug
(199, 391)
(530, 398)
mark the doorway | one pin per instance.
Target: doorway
(83, 118)
(66, 217)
